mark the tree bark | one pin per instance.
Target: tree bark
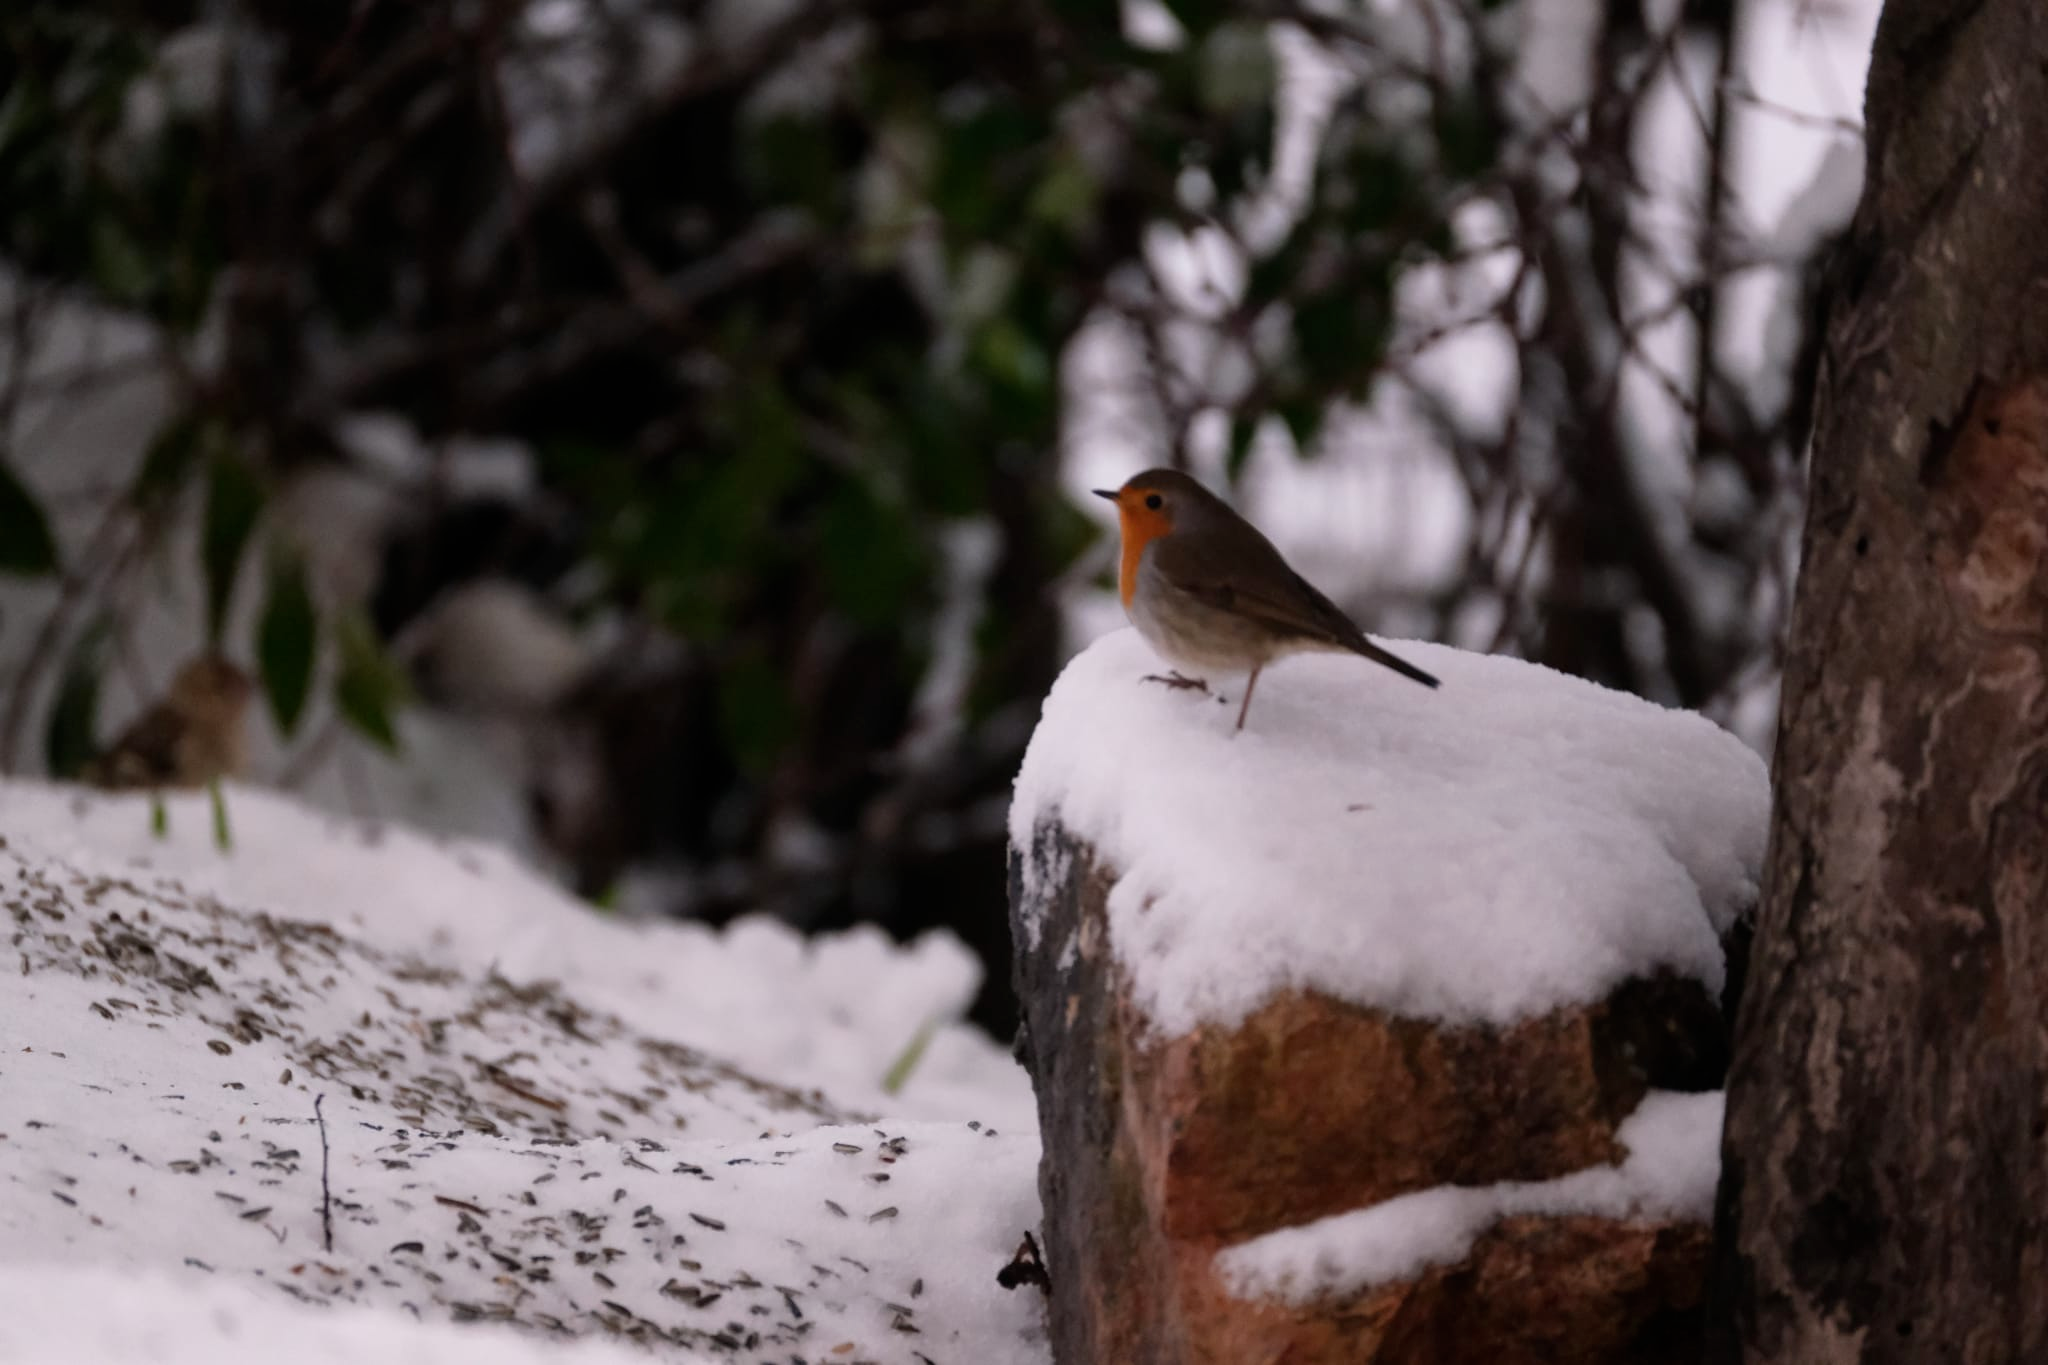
(1885, 1183)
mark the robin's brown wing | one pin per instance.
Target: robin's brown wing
(1238, 570)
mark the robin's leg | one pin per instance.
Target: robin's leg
(1177, 682)
(1246, 706)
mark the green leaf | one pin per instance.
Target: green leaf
(70, 740)
(370, 687)
(287, 638)
(233, 501)
(26, 545)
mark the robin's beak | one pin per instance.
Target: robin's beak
(1109, 493)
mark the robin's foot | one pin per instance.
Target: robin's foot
(1176, 682)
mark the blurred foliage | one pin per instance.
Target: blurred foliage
(779, 297)
(772, 319)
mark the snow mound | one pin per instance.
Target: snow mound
(529, 1114)
(1510, 843)
(1674, 1159)
(832, 1012)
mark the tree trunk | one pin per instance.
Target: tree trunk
(1885, 1187)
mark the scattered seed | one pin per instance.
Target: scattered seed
(880, 1214)
(832, 1205)
(218, 1046)
(711, 1223)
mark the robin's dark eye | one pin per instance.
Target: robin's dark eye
(1153, 500)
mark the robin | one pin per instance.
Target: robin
(1208, 592)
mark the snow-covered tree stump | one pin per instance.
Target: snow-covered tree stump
(1389, 1030)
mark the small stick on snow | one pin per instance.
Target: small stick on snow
(326, 1194)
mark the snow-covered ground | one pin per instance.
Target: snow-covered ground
(533, 1114)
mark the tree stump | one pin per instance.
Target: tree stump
(1160, 1152)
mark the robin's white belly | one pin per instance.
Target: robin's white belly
(1194, 636)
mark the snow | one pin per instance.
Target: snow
(1673, 1162)
(536, 1115)
(76, 1314)
(1513, 842)
(832, 1012)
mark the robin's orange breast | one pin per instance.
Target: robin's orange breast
(1139, 526)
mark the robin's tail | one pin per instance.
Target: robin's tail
(1368, 649)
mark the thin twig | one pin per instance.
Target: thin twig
(326, 1194)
